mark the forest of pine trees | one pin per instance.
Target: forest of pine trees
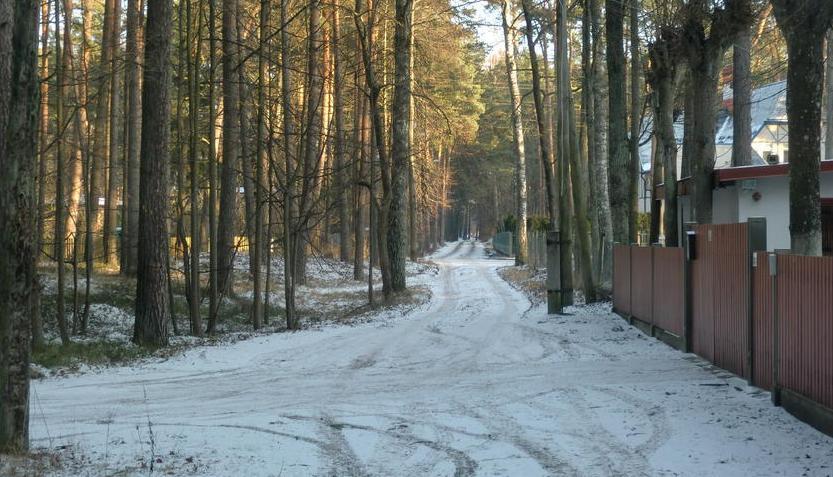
(165, 141)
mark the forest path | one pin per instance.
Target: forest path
(472, 383)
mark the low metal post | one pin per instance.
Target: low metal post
(554, 298)
(630, 284)
(776, 352)
(688, 285)
(756, 237)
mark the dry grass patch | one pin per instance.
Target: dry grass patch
(531, 281)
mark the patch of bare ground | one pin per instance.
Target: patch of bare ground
(529, 280)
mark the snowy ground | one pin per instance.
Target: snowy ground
(476, 382)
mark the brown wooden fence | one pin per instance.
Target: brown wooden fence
(720, 275)
(669, 289)
(648, 284)
(765, 317)
(762, 312)
(803, 311)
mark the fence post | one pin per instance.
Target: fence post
(688, 285)
(776, 352)
(653, 294)
(630, 284)
(554, 301)
(756, 242)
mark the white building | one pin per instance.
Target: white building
(762, 189)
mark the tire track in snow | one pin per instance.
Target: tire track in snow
(656, 417)
(465, 466)
(618, 457)
(338, 451)
(507, 429)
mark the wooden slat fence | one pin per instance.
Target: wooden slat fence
(537, 249)
(648, 284)
(736, 304)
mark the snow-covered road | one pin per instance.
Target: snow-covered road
(473, 383)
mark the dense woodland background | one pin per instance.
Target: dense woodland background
(168, 141)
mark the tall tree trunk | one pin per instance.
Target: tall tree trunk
(43, 157)
(401, 153)
(80, 78)
(413, 246)
(43, 131)
(413, 218)
(213, 242)
(441, 218)
(635, 166)
(313, 143)
(544, 143)
(96, 157)
(742, 100)
(707, 34)
(19, 100)
(181, 243)
(828, 143)
(340, 168)
(379, 139)
(133, 125)
(360, 135)
(246, 162)
(804, 28)
(619, 171)
(565, 216)
(588, 101)
(688, 130)
(704, 76)
(600, 151)
(665, 128)
(260, 166)
(111, 208)
(70, 196)
(193, 45)
(60, 207)
(231, 151)
(99, 160)
(578, 173)
(509, 19)
(663, 77)
(289, 225)
(152, 302)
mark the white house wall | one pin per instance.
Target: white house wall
(774, 205)
(733, 204)
(725, 210)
